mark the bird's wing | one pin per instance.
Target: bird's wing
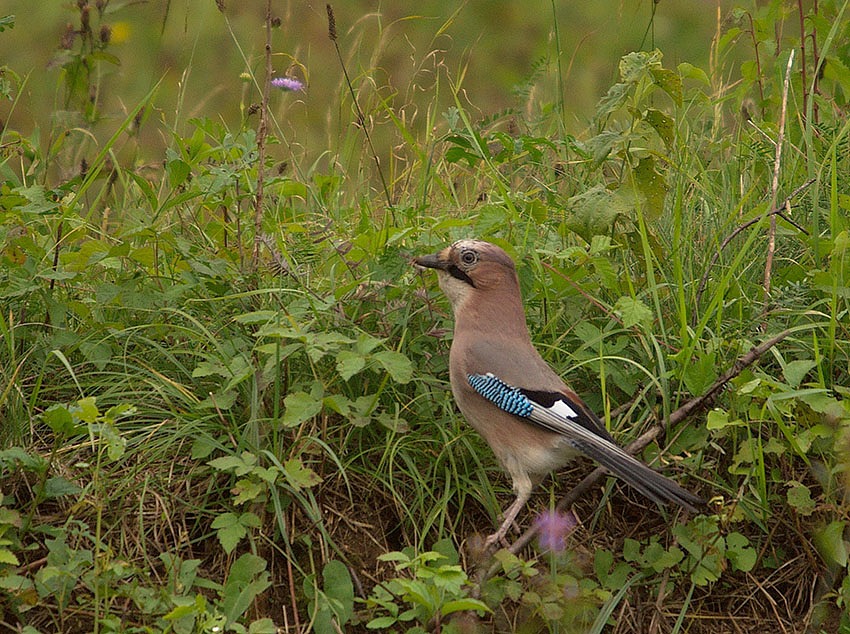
(562, 414)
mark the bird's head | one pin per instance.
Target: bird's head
(470, 268)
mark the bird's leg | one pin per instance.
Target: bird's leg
(510, 515)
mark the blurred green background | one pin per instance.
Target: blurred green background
(406, 53)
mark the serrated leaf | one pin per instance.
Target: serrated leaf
(8, 557)
(58, 486)
(613, 100)
(633, 312)
(349, 363)
(739, 552)
(397, 365)
(800, 498)
(299, 476)
(594, 212)
(229, 531)
(299, 407)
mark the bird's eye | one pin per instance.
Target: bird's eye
(468, 257)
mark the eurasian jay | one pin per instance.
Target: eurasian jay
(532, 421)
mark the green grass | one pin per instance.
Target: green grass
(208, 427)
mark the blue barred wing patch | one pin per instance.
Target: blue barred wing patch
(504, 396)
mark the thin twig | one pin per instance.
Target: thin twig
(677, 416)
(262, 133)
(774, 187)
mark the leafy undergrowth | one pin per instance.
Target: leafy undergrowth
(209, 427)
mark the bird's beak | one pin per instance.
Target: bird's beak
(433, 261)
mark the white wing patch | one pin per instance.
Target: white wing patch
(562, 409)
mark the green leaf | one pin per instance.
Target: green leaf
(299, 476)
(670, 82)
(595, 211)
(178, 171)
(300, 407)
(86, 410)
(58, 486)
(8, 557)
(800, 498)
(382, 622)
(795, 371)
(663, 125)
(462, 605)
(652, 185)
(741, 555)
(349, 363)
(633, 312)
(831, 545)
(61, 421)
(262, 626)
(397, 365)
(229, 531)
(719, 419)
(333, 607)
(699, 375)
(247, 580)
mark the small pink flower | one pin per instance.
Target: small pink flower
(289, 84)
(553, 528)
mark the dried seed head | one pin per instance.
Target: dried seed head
(68, 37)
(331, 22)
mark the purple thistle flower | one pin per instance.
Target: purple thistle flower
(553, 528)
(289, 84)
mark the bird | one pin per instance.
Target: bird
(531, 419)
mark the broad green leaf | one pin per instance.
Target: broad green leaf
(652, 185)
(299, 407)
(633, 312)
(739, 552)
(795, 371)
(800, 498)
(58, 486)
(462, 605)
(699, 375)
(349, 363)
(663, 125)
(86, 410)
(397, 365)
(299, 476)
(670, 82)
(595, 211)
(60, 420)
(262, 626)
(830, 543)
(247, 580)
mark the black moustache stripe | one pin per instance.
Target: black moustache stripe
(456, 273)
